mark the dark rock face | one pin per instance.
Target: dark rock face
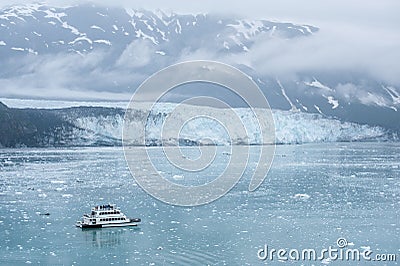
(50, 128)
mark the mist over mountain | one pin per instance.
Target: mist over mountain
(91, 52)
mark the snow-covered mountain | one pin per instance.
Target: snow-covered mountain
(40, 29)
(107, 51)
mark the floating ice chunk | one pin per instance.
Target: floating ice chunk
(57, 181)
(160, 52)
(178, 177)
(301, 196)
(326, 261)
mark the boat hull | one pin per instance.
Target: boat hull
(88, 226)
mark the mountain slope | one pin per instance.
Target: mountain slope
(103, 53)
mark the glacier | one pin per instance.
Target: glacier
(26, 123)
(290, 127)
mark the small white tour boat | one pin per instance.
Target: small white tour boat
(106, 216)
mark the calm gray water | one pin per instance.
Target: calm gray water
(314, 194)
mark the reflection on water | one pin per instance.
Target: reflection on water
(105, 237)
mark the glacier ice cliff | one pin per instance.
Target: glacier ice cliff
(103, 126)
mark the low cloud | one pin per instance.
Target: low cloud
(331, 50)
(137, 54)
(71, 76)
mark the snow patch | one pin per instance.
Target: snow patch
(74, 30)
(130, 11)
(178, 28)
(247, 28)
(272, 31)
(226, 45)
(302, 106)
(107, 42)
(97, 28)
(319, 85)
(17, 49)
(31, 51)
(318, 109)
(333, 102)
(82, 38)
(393, 94)
(293, 107)
(101, 14)
(308, 29)
(375, 99)
(140, 34)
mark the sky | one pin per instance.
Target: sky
(354, 35)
